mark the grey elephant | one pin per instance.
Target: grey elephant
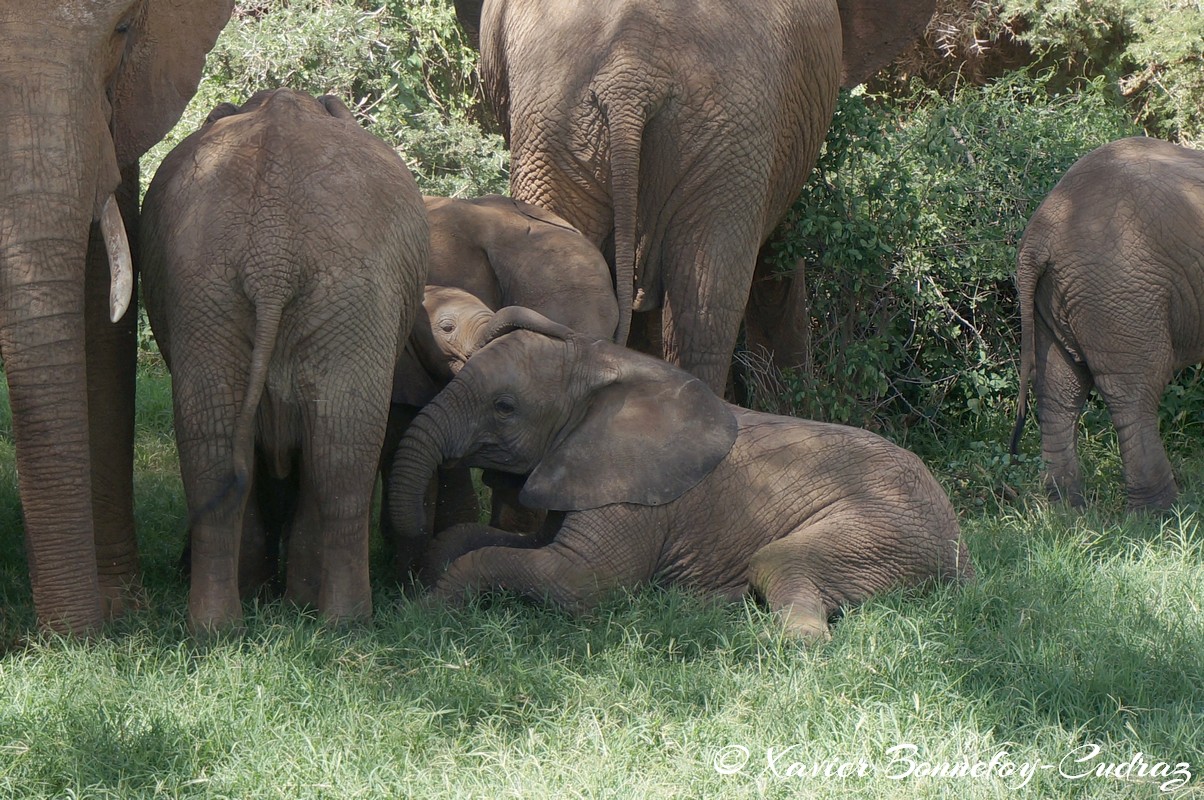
(285, 252)
(86, 87)
(1111, 276)
(510, 253)
(486, 253)
(676, 134)
(651, 477)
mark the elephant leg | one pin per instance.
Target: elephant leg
(1061, 389)
(782, 574)
(345, 430)
(777, 317)
(303, 554)
(111, 358)
(456, 499)
(1133, 401)
(507, 512)
(705, 297)
(215, 503)
(461, 539)
(575, 571)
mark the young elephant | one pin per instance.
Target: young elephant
(1111, 280)
(654, 478)
(510, 253)
(285, 252)
(486, 253)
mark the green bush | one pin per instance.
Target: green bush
(403, 68)
(907, 233)
(1150, 50)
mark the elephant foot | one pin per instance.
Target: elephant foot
(1156, 500)
(120, 596)
(1069, 492)
(211, 616)
(804, 625)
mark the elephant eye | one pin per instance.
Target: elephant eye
(447, 325)
(505, 405)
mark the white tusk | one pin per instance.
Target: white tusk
(121, 266)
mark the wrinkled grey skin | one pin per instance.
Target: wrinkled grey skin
(1111, 283)
(486, 253)
(86, 87)
(676, 134)
(510, 253)
(285, 251)
(652, 478)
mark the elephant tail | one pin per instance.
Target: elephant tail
(1030, 267)
(625, 122)
(267, 329)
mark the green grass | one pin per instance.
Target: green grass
(1083, 629)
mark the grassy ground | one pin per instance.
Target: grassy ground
(1083, 632)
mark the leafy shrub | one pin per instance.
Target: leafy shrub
(907, 233)
(403, 68)
(1151, 50)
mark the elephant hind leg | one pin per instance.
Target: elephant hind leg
(782, 578)
(1133, 404)
(1061, 388)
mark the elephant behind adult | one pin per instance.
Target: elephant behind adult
(86, 87)
(679, 131)
(285, 251)
(1110, 275)
(510, 253)
(487, 253)
(653, 478)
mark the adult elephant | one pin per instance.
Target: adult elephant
(676, 132)
(86, 86)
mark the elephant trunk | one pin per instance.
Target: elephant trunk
(438, 434)
(58, 173)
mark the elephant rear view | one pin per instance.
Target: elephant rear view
(285, 253)
(1111, 282)
(680, 131)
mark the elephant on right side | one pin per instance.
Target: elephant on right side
(1110, 276)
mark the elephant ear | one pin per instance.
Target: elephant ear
(648, 433)
(162, 66)
(875, 32)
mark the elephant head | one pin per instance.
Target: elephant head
(538, 399)
(86, 87)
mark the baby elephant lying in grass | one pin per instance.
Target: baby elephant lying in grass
(652, 478)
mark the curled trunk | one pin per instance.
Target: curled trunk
(437, 434)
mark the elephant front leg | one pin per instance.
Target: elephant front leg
(1061, 388)
(574, 572)
(778, 315)
(111, 357)
(780, 573)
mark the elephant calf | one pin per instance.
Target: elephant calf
(285, 252)
(651, 477)
(1111, 283)
(486, 253)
